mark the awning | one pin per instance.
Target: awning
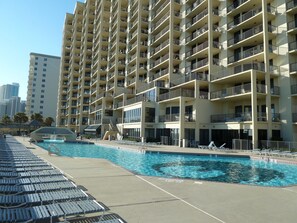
(92, 128)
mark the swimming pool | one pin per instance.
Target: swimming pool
(229, 169)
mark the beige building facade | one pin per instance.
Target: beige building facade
(42, 89)
(181, 72)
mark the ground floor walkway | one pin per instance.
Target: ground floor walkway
(142, 199)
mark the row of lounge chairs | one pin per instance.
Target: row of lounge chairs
(31, 190)
(278, 153)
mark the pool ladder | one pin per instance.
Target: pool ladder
(53, 149)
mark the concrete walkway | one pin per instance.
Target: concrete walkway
(142, 199)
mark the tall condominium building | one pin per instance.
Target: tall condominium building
(42, 93)
(181, 71)
(8, 91)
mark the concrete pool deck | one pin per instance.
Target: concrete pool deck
(142, 199)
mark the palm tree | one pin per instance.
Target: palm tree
(38, 117)
(20, 118)
(6, 120)
(49, 121)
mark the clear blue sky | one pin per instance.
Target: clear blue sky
(29, 26)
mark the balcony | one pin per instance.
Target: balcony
(292, 25)
(197, 33)
(189, 77)
(294, 117)
(249, 66)
(293, 46)
(158, 48)
(293, 67)
(294, 89)
(161, 33)
(169, 118)
(160, 21)
(238, 117)
(235, 5)
(248, 53)
(159, 61)
(248, 15)
(275, 90)
(250, 33)
(136, 99)
(160, 8)
(243, 117)
(159, 74)
(196, 49)
(198, 17)
(232, 91)
(291, 5)
(193, 6)
(177, 93)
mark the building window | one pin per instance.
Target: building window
(42, 91)
(34, 79)
(41, 102)
(43, 80)
(32, 106)
(32, 101)
(132, 133)
(42, 96)
(36, 63)
(35, 68)
(35, 74)
(33, 95)
(44, 64)
(34, 85)
(43, 75)
(44, 69)
(44, 59)
(43, 85)
(133, 115)
(36, 58)
(41, 107)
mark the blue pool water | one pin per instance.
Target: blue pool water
(228, 169)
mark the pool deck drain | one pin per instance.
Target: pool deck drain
(141, 199)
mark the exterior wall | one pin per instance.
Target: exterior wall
(42, 90)
(207, 67)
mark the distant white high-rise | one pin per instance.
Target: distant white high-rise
(43, 81)
(8, 91)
